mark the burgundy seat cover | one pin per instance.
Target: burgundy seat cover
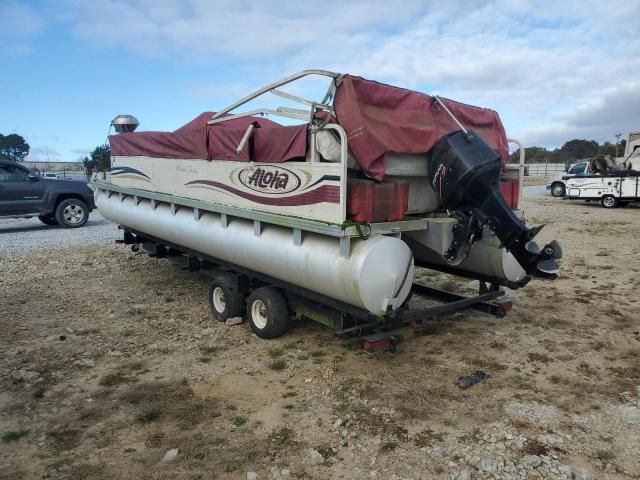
(381, 119)
(271, 141)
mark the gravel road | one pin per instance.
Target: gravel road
(22, 235)
(534, 191)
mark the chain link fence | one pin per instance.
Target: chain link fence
(60, 169)
(70, 174)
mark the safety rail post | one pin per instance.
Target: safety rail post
(520, 169)
(344, 156)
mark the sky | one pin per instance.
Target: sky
(553, 70)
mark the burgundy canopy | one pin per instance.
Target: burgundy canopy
(188, 141)
(381, 119)
(270, 142)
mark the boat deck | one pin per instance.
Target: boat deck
(346, 230)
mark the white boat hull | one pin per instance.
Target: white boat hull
(376, 276)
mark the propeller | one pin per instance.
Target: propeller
(554, 250)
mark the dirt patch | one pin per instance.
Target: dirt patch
(143, 369)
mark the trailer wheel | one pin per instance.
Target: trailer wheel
(609, 201)
(267, 312)
(225, 301)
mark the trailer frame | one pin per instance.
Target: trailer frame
(372, 332)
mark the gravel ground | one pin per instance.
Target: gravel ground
(534, 191)
(24, 235)
(111, 367)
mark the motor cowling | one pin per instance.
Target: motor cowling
(465, 173)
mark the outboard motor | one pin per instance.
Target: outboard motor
(465, 173)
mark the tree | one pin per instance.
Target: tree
(535, 155)
(13, 148)
(607, 148)
(577, 149)
(571, 151)
(99, 160)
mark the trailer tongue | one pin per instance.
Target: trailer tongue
(327, 218)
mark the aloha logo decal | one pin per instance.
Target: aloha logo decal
(269, 179)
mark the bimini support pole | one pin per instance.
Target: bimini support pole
(272, 86)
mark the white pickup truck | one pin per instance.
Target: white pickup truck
(558, 185)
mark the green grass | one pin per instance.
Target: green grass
(239, 420)
(204, 359)
(209, 349)
(218, 441)
(388, 446)
(38, 393)
(14, 436)
(430, 273)
(112, 379)
(276, 352)
(278, 365)
(294, 344)
(351, 345)
(148, 413)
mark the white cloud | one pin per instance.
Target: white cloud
(43, 154)
(616, 110)
(548, 67)
(528, 65)
(81, 152)
(246, 29)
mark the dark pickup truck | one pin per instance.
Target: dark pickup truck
(23, 193)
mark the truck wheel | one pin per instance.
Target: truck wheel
(609, 201)
(48, 219)
(72, 213)
(557, 190)
(225, 301)
(267, 312)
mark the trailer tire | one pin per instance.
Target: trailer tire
(225, 301)
(609, 201)
(267, 312)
